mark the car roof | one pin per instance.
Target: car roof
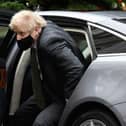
(112, 19)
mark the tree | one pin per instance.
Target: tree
(63, 4)
(49, 4)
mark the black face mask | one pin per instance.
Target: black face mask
(25, 43)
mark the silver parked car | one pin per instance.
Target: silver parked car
(100, 97)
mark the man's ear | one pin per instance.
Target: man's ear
(37, 29)
(36, 32)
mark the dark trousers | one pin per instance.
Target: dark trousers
(30, 115)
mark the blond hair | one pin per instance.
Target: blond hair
(26, 21)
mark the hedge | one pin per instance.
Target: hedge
(12, 5)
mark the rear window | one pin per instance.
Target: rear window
(106, 42)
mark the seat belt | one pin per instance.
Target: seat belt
(37, 79)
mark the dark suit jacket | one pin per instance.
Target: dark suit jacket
(61, 62)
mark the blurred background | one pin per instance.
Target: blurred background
(79, 5)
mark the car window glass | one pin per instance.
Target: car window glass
(81, 41)
(3, 32)
(106, 42)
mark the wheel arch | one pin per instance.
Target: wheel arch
(89, 106)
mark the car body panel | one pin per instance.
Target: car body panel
(103, 77)
(121, 113)
(103, 82)
(103, 18)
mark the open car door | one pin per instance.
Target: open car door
(14, 78)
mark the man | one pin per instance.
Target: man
(61, 67)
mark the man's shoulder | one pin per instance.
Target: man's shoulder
(51, 32)
(54, 35)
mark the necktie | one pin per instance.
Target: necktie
(37, 79)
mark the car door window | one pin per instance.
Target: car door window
(106, 42)
(80, 38)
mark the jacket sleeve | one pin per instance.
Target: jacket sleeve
(67, 63)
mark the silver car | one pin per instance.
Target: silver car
(100, 97)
